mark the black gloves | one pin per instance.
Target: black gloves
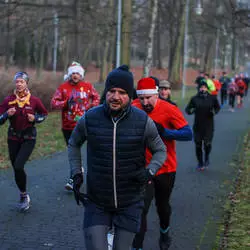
(77, 182)
(149, 176)
(160, 128)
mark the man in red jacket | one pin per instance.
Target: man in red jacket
(171, 126)
(74, 97)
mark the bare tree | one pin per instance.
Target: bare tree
(149, 55)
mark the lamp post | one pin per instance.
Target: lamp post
(198, 11)
(118, 37)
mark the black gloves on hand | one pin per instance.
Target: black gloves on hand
(159, 127)
(149, 176)
(77, 182)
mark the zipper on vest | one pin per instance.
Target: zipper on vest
(114, 158)
(114, 164)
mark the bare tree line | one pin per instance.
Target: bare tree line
(87, 33)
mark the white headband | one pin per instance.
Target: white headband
(146, 91)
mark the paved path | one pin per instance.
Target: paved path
(54, 221)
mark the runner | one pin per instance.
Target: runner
(225, 81)
(204, 106)
(241, 90)
(171, 126)
(23, 111)
(74, 97)
(232, 91)
(217, 85)
(210, 84)
(118, 135)
(199, 79)
(247, 81)
(165, 91)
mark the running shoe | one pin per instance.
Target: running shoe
(164, 241)
(24, 203)
(110, 239)
(69, 185)
(200, 167)
(206, 164)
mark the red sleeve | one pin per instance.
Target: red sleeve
(40, 109)
(58, 101)
(95, 97)
(177, 119)
(4, 106)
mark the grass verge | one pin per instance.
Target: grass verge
(234, 232)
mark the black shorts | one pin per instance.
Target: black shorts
(128, 218)
(240, 94)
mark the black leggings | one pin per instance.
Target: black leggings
(223, 96)
(161, 188)
(203, 141)
(19, 153)
(232, 100)
(66, 135)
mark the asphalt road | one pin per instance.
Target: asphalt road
(55, 222)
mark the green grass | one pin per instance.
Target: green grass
(234, 232)
(49, 139)
(177, 96)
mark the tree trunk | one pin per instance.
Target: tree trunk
(149, 55)
(126, 31)
(158, 47)
(207, 55)
(104, 65)
(174, 74)
(233, 54)
(7, 45)
(76, 33)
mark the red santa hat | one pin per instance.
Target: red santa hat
(146, 86)
(76, 67)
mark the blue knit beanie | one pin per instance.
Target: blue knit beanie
(122, 78)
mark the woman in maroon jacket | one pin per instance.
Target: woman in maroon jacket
(23, 111)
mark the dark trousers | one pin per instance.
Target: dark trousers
(66, 135)
(223, 96)
(160, 188)
(232, 100)
(19, 153)
(246, 91)
(203, 142)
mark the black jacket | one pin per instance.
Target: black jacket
(116, 174)
(204, 107)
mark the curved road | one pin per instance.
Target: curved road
(54, 221)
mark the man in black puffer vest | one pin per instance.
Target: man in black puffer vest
(117, 135)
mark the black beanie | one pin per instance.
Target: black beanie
(122, 78)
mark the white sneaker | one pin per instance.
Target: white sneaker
(110, 238)
(24, 203)
(69, 185)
